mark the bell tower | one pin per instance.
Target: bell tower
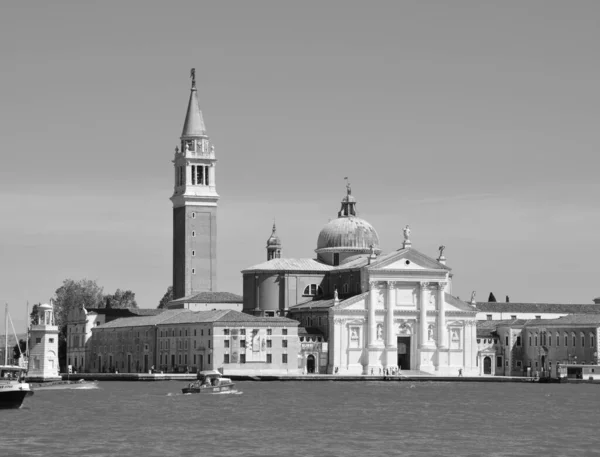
(194, 206)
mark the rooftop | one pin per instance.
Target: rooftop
(210, 297)
(502, 307)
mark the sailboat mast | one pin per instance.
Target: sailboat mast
(27, 332)
(6, 334)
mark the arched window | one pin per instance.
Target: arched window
(557, 339)
(582, 340)
(536, 339)
(566, 340)
(313, 290)
(574, 340)
(550, 340)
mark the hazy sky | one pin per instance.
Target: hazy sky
(474, 122)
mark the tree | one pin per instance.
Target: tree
(22, 346)
(73, 294)
(120, 299)
(167, 297)
(67, 297)
(491, 298)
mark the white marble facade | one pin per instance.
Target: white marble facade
(405, 320)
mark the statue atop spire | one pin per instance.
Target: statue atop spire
(193, 76)
(348, 188)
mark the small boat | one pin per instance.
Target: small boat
(13, 389)
(210, 381)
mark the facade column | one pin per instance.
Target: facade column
(423, 314)
(372, 323)
(391, 303)
(257, 300)
(442, 337)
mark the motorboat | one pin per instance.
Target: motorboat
(13, 389)
(209, 381)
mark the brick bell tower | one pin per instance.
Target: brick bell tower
(194, 206)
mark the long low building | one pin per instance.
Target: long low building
(495, 311)
(180, 340)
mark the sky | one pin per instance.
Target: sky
(476, 123)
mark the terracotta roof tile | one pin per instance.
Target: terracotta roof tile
(210, 297)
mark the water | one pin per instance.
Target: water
(308, 419)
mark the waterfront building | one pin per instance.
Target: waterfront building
(377, 311)
(180, 340)
(43, 346)
(522, 347)
(81, 321)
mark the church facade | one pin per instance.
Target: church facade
(375, 311)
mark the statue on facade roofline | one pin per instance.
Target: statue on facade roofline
(406, 231)
(441, 248)
(335, 294)
(473, 297)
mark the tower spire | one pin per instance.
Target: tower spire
(194, 122)
(273, 245)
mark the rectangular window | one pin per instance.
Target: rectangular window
(209, 359)
(243, 331)
(193, 253)
(582, 341)
(506, 339)
(38, 340)
(519, 364)
(225, 358)
(518, 341)
(209, 343)
(50, 340)
(283, 343)
(269, 331)
(574, 341)
(269, 358)
(201, 332)
(538, 317)
(193, 271)
(489, 317)
(513, 316)
(226, 331)
(194, 334)
(284, 331)
(206, 180)
(194, 344)
(208, 332)
(242, 343)
(549, 340)
(284, 358)
(530, 340)
(498, 362)
(185, 359)
(566, 340)
(179, 359)
(269, 343)
(194, 359)
(536, 340)
(226, 343)
(242, 358)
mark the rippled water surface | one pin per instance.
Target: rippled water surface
(308, 419)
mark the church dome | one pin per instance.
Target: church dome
(348, 233)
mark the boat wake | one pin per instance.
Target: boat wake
(226, 392)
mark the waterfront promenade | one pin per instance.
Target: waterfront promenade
(412, 376)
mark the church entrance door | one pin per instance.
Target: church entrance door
(128, 363)
(487, 365)
(310, 364)
(404, 352)
(145, 363)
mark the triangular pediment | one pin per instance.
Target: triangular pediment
(358, 302)
(407, 259)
